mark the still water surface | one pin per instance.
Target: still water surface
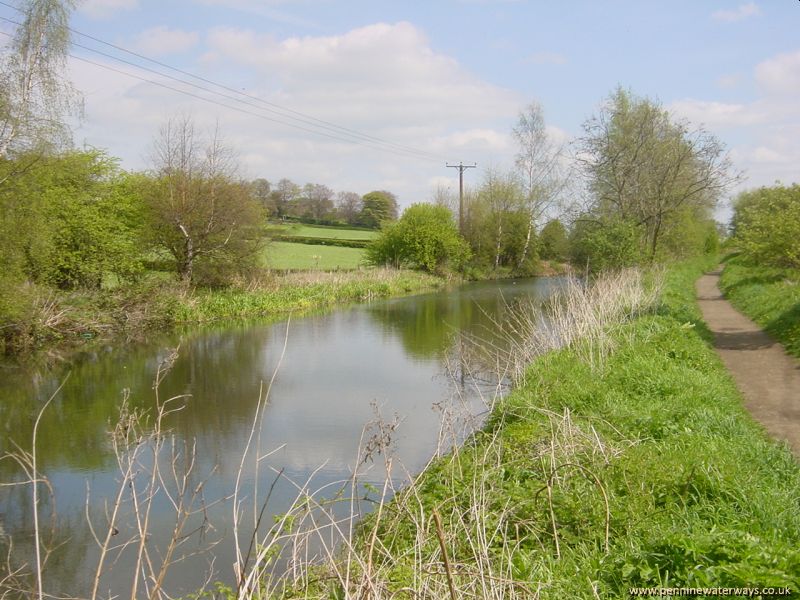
(398, 358)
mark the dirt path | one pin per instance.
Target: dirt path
(768, 378)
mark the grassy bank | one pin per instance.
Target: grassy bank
(595, 477)
(769, 296)
(60, 321)
(303, 291)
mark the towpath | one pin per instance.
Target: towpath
(768, 378)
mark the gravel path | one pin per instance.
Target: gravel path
(768, 378)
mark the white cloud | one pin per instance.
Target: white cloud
(158, 41)
(384, 80)
(740, 13)
(764, 133)
(765, 155)
(780, 74)
(729, 81)
(103, 9)
(546, 58)
(381, 76)
(717, 114)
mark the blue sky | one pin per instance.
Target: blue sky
(445, 77)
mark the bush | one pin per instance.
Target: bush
(604, 244)
(767, 225)
(425, 237)
(553, 241)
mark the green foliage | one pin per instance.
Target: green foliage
(769, 295)
(425, 237)
(377, 208)
(553, 242)
(654, 172)
(291, 295)
(766, 225)
(73, 220)
(498, 227)
(97, 222)
(35, 94)
(207, 220)
(697, 495)
(605, 244)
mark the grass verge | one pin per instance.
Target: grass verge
(61, 321)
(303, 291)
(770, 296)
(596, 477)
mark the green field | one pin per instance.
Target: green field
(285, 255)
(328, 233)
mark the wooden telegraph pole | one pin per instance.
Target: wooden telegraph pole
(461, 168)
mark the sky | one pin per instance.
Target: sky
(382, 94)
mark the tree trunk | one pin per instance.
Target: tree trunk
(499, 243)
(527, 244)
(188, 258)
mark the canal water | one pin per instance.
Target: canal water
(398, 361)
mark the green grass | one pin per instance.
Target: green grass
(302, 292)
(697, 494)
(331, 233)
(770, 296)
(286, 255)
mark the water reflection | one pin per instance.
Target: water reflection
(336, 371)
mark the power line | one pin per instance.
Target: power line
(354, 136)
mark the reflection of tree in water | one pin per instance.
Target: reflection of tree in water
(73, 432)
(433, 325)
(65, 546)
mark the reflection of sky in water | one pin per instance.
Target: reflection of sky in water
(337, 368)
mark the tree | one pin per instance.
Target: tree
(34, 92)
(318, 201)
(496, 222)
(200, 213)
(604, 244)
(645, 168)
(538, 161)
(261, 191)
(425, 237)
(348, 207)
(766, 225)
(283, 195)
(553, 242)
(377, 207)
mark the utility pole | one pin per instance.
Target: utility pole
(461, 168)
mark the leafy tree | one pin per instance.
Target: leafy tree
(645, 168)
(282, 196)
(376, 208)
(538, 161)
(766, 225)
(599, 245)
(317, 200)
(199, 212)
(553, 242)
(261, 191)
(496, 225)
(73, 220)
(425, 237)
(348, 207)
(34, 92)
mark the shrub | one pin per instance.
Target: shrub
(425, 237)
(767, 225)
(605, 244)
